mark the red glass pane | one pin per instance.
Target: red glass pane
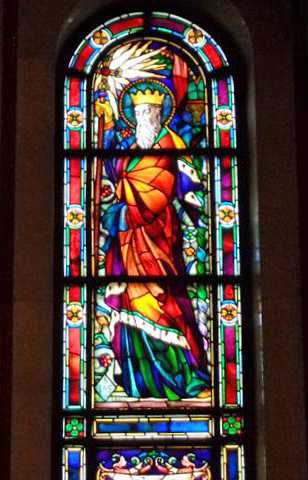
(83, 56)
(74, 92)
(125, 25)
(213, 56)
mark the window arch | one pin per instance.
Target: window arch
(152, 355)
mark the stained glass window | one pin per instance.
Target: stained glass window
(151, 323)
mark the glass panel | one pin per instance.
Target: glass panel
(74, 427)
(73, 463)
(224, 123)
(232, 463)
(194, 36)
(151, 216)
(183, 463)
(74, 348)
(153, 426)
(74, 113)
(75, 252)
(147, 94)
(230, 346)
(102, 37)
(231, 424)
(227, 216)
(152, 345)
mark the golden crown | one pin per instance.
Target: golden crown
(148, 96)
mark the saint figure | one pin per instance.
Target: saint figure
(155, 337)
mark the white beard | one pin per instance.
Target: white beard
(146, 132)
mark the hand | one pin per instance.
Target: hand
(103, 109)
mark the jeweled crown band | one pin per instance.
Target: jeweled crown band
(147, 97)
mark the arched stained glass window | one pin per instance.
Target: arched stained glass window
(152, 351)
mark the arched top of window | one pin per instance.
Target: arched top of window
(200, 71)
(158, 24)
(151, 259)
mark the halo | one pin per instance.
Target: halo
(126, 106)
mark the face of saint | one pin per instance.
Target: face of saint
(148, 124)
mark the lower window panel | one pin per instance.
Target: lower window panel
(156, 463)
